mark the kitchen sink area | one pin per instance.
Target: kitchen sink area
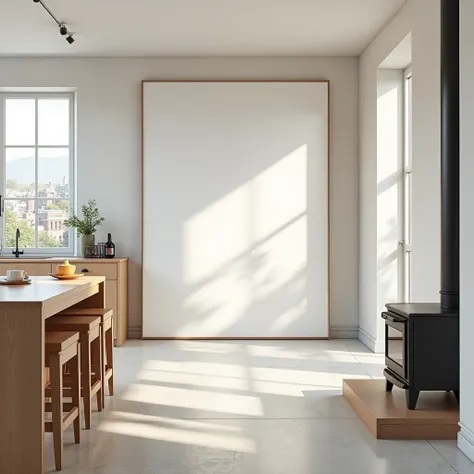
(27, 257)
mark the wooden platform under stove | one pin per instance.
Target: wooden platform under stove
(387, 417)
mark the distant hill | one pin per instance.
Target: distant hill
(51, 169)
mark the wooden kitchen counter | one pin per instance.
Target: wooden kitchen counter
(23, 311)
(12, 259)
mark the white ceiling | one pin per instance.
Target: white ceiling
(194, 27)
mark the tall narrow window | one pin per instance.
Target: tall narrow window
(37, 172)
(408, 183)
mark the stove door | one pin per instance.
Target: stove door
(395, 343)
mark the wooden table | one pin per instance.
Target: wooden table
(23, 311)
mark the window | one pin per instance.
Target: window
(37, 171)
(408, 183)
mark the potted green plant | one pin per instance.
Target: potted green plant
(88, 225)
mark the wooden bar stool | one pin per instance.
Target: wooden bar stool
(62, 348)
(91, 356)
(107, 334)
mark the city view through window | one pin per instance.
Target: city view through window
(37, 171)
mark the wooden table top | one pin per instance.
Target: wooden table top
(43, 289)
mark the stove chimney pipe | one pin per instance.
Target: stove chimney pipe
(449, 155)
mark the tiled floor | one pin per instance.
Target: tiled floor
(243, 408)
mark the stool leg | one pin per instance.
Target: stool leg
(86, 378)
(76, 392)
(110, 357)
(57, 408)
(97, 361)
(104, 358)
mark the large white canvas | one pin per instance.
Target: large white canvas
(235, 217)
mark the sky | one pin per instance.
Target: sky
(53, 130)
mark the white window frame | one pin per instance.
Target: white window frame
(38, 251)
(407, 182)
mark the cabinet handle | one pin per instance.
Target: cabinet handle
(85, 270)
(392, 318)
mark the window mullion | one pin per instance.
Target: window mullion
(3, 168)
(72, 236)
(36, 175)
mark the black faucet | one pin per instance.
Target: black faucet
(17, 252)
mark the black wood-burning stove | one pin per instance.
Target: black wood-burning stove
(424, 353)
(422, 339)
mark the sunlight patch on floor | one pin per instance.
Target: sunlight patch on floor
(202, 368)
(194, 379)
(245, 405)
(182, 423)
(309, 378)
(284, 353)
(170, 430)
(226, 377)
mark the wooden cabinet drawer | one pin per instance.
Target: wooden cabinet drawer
(111, 302)
(33, 269)
(98, 269)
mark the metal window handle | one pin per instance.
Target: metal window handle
(404, 245)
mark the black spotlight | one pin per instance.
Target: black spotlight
(62, 27)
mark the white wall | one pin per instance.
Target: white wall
(466, 435)
(421, 17)
(109, 147)
(426, 259)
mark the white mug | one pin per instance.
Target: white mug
(15, 275)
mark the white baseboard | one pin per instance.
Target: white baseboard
(378, 347)
(134, 332)
(338, 332)
(343, 332)
(466, 441)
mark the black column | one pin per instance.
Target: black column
(449, 154)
